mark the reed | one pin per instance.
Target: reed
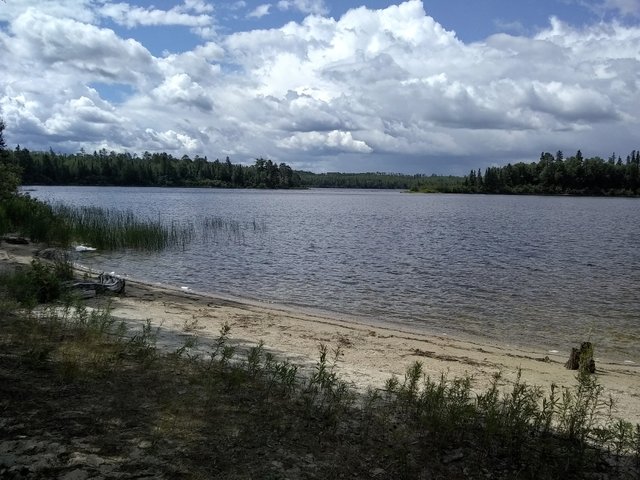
(110, 229)
(223, 230)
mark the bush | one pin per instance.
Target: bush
(40, 283)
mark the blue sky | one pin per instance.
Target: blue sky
(416, 86)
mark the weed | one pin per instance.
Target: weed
(189, 344)
(254, 359)
(143, 345)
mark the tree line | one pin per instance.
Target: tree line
(379, 180)
(163, 169)
(150, 169)
(552, 174)
(556, 174)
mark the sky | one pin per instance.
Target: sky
(433, 86)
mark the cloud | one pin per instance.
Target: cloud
(316, 7)
(81, 10)
(604, 8)
(170, 140)
(198, 6)
(181, 89)
(325, 142)
(71, 46)
(624, 7)
(513, 26)
(371, 86)
(260, 11)
(133, 16)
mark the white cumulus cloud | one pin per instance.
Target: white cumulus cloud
(369, 85)
(326, 142)
(132, 16)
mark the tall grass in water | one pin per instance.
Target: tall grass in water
(109, 229)
(218, 229)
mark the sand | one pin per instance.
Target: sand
(370, 354)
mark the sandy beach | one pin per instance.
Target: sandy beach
(370, 354)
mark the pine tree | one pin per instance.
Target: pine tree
(9, 172)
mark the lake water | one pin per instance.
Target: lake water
(547, 272)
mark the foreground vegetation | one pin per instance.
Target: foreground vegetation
(102, 398)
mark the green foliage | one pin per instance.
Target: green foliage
(559, 175)
(252, 410)
(35, 220)
(378, 180)
(40, 283)
(151, 169)
(109, 229)
(325, 393)
(105, 229)
(9, 172)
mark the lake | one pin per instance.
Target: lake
(547, 272)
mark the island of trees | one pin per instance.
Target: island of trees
(555, 175)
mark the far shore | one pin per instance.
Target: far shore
(369, 353)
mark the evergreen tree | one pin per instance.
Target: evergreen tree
(9, 171)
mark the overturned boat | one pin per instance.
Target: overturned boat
(106, 283)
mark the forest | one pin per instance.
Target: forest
(551, 175)
(557, 175)
(151, 169)
(162, 169)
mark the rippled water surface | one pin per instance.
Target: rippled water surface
(543, 271)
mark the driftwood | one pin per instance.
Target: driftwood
(582, 359)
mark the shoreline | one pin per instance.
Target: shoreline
(370, 353)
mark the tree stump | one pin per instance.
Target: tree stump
(582, 359)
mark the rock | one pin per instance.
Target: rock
(8, 460)
(80, 459)
(53, 254)
(453, 456)
(144, 444)
(76, 474)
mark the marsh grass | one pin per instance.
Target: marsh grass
(110, 229)
(223, 230)
(247, 414)
(102, 228)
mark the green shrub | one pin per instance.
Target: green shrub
(39, 283)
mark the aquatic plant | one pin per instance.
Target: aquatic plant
(219, 229)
